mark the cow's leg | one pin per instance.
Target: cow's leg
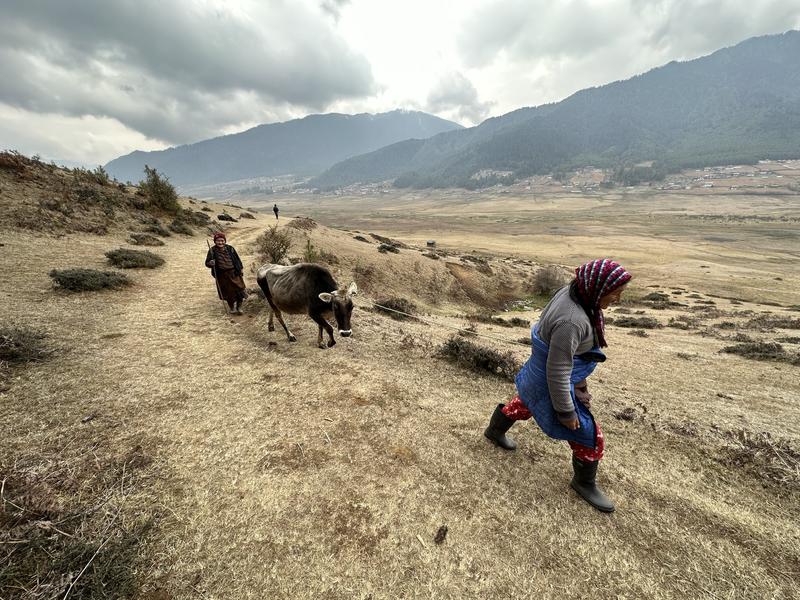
(270, 325)
(289, 334)
(319, 337)
(323, 324)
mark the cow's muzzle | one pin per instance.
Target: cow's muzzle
(345, 332)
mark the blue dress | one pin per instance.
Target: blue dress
(533, 391)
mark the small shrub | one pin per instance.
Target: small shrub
(88, 280)
(637, 322)
(639, 333)
(401, 304)
(388, 241)
(181, 227)
(160, 191)
(361, 238)
(206, 209)
(302, 223)
(158, 229)
(479, 358)
(789, 340)
(20, 345)
(145, 239)
(226, 217)
(134, 259)
(762, 351)
(431, 255)
(384, 248)
(656, 297)
(524, 340)
(726, 325)
(273, 245)
(310, 254)
(684, 322)
(772, 321)
(548, 280)
(194, 217)
(365, 275)
(246, 215)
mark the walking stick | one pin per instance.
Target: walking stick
(216, 281)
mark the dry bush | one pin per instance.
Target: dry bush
(226, 217)
(771, 351)
(637, 322)
(361, 238)
(70, 537)
(499, 321)
(384, 248)
(773, 321)
(246, 215)
(145, 239)
(639, 333)
(182, 227)
(207, 209)
(365, 275)
(548, 280)
(88, 280)
(388, 241)
(124, 258)
(656, 297)
(273, 245)
(431, 255)
(302, 223)
(194, 217)
(401, 304)
(684, 322)
(479, 358)
(773, 460)
(158, 229)
(20, 344)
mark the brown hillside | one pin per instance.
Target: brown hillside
(164, 449)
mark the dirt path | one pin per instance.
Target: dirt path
(285, 471)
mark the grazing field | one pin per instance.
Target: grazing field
(161, 448)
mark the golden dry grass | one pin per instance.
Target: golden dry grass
(285, 471)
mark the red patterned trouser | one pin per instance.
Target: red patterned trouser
(517, 411)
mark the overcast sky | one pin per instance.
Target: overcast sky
(89, 80)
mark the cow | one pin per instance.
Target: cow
(310, 289)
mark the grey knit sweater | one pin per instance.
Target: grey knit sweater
(565, 327)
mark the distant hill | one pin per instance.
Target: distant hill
(739, 104)
(305, 146)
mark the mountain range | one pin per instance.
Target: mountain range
(739, 104)
(300, 147)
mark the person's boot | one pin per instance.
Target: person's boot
(237, 308)
(584, 482)
(498, 426)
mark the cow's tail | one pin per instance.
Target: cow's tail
(262, 283)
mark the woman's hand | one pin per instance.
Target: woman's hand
(211, 263)
(573, 424)
(583, 396)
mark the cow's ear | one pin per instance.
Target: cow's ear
(326, 297)
(353, 289)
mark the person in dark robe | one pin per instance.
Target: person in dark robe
(226, 267)
(275, 210)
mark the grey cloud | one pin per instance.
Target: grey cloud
(456, 94)
(333, 7)
(523, 31)
(171, 70)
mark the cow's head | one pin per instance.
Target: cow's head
(341, 302)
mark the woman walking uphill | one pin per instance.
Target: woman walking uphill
(566, 347)
(226, 267)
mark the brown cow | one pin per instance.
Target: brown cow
(310, 289)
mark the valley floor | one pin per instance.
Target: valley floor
(247, 467)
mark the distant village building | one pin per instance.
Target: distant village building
(431, 243)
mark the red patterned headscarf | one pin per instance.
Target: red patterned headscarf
(219, 235)
(594, 280)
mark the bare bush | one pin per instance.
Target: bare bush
(479, 358)
(179, 226)
(145, 239)
(396, 304)
(21, 344)
(763, 351)
(302, 223)
(637, 322)
(548, 280)
(273, 245)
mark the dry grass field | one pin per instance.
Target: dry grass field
(164, 449)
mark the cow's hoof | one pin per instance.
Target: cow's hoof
(270, 327)
(331, 343)
(292, 338)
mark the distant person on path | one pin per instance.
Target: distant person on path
(226, 267)
(275, 210)
(566, 347)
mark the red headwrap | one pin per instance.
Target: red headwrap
(594, 280)
(219, 235)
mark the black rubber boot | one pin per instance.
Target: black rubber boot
(498, 426)
(584, 482)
